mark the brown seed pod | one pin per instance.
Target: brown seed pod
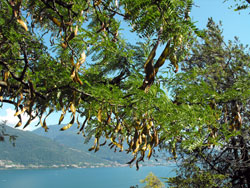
(23, 24)
(56, 21)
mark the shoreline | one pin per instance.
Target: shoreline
(72, 166)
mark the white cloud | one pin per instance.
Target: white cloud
(13, 120)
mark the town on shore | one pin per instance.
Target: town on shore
(8, 164)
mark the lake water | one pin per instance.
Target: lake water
(120, 177)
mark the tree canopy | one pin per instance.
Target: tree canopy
(71, 57)
(241, 5)
(152, 181)
(217, 76)
(113, 90)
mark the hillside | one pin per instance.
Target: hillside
(32, 149)
(71, 139)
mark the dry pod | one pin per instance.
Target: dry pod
(23, 24)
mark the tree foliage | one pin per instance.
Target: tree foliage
(152, 181)
(87, 68)
(71, 57)
(240, 4)
(190, 174)
(216, 76)
(4, 134)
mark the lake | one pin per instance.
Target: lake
(118, 177)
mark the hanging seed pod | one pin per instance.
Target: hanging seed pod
(23, 24)
(69, 124)
(73, 34)
(97, 144)
(173, 60)
(130, 162)
(64, 45)
(21, 111)
(82, 58)
(56, 21)
(150, 150)
(6, 76)
(99, 115)
(20, 121)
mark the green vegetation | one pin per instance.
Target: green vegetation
(91, 70)
(4, 134)
(240, 4)
(191, 174)
(219, 71)
(119, 93)
(152, 181)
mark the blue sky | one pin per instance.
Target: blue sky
(234, 24)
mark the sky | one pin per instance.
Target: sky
(233, 24)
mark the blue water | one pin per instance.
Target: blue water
(122, 177)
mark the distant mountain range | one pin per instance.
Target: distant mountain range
(34, 150)
(70, 138)
(57, 148)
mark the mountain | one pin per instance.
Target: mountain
(70, 138)
(32, 149)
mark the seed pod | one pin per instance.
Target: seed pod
(99, 115)
(56, 21)
(161, 60)
(137, 146)
(68, 125)
(62, 116)
(150, 150)
(73, 34)
(72, 61)
(97, 2)
(6, 76)
(18, 124)
(23, 24)
(82, 58)
(178, 40)
(72, 108)
(97, 144)
(20, 111)
(130, 162)
(78, 122)
(77, 79)
(173, 60)
(118, 127)
(64, 45)
(103, 143)
(92, 148)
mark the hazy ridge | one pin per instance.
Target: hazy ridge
(55, 148)
(34, 150)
